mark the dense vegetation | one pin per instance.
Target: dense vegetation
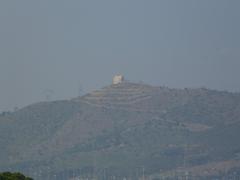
(13, 176)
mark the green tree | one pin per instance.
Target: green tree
(13, 176)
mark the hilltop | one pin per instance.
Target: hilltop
(123, 129)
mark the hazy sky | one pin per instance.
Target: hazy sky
(57, 45)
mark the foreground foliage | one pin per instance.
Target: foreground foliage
(13, 176)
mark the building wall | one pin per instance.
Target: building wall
(118, 79)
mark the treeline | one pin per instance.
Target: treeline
(13, 176)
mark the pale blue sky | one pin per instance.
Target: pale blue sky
(56, 44)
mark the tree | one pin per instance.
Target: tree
(13, 176)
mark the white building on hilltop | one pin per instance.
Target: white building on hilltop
(118, 79)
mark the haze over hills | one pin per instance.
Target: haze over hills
(125, 130)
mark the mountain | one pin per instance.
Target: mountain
(126, 130)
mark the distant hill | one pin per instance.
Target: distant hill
(126, 130)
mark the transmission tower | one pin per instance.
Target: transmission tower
(48, 93)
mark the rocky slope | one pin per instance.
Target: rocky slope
(123, 129)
